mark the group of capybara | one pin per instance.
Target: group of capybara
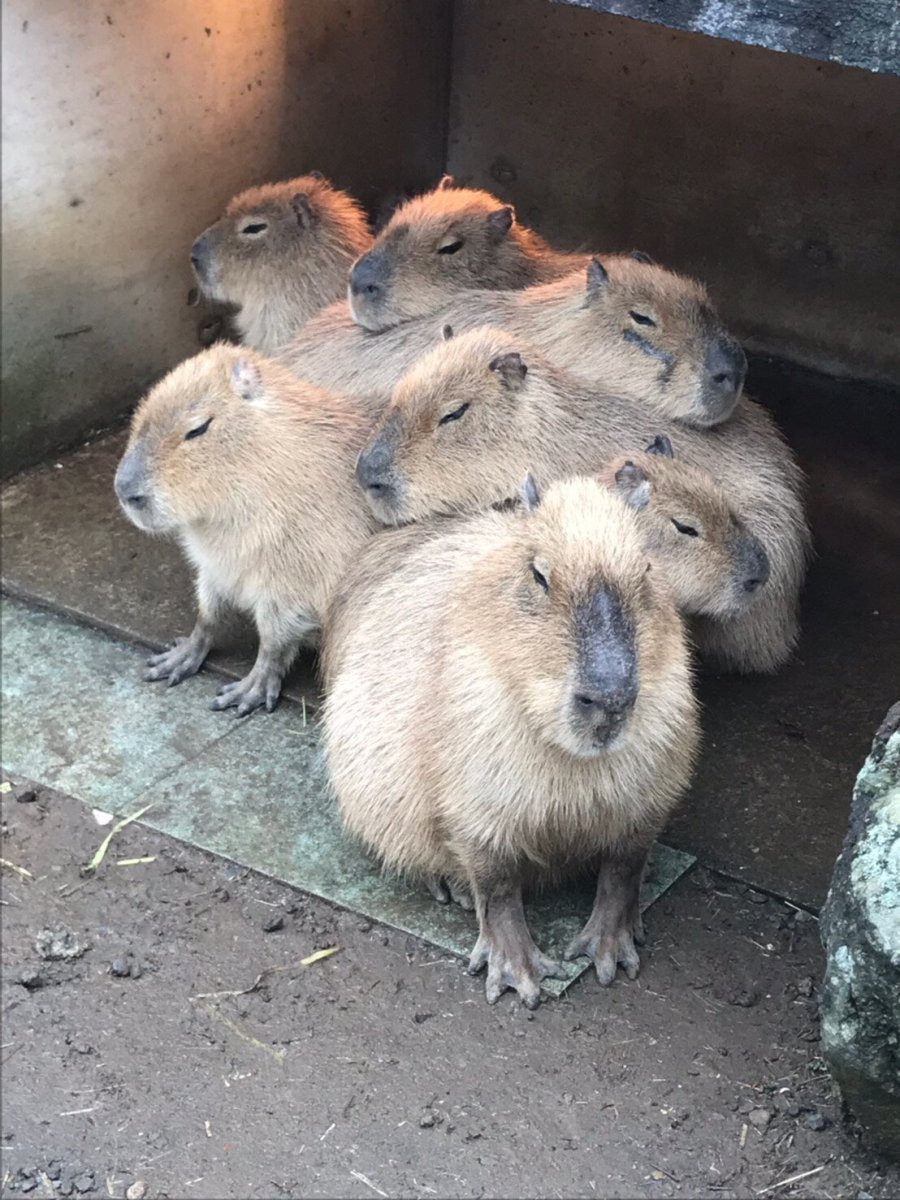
(509, 493)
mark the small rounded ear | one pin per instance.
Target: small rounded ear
(633, 485)
(302, 209)
(447, 182)
(500, 222)
(317, 175)
(662, 446)
(529, 494)
(193, 297)
(641, 257)
(597, 277)
(510, 369)
(246, 380)
(446, 333)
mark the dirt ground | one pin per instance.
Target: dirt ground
(380, 1070)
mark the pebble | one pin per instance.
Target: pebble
(54, 1170)
(273, 923)
(137, 1191)
(28, 1184)
(84, 1182)
(760, 1118)
(815, 1121)
(120, 967)
(31, 979)
(26, 796)
(805, 986)
(421, 1017)
(54, 944)
(426, 1121)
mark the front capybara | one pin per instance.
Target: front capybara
(509, 701)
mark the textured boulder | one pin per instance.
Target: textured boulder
(860, 926)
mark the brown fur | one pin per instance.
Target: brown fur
(281, 276)
(263, 502)
(452, 742)
(494, 252)
(583, 323)
(527, 413)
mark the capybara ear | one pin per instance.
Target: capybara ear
(597, 277)
(633, 485)
(641, 257)
(529, 494)
(447, 182)
(510, 370)
(303, 210)
(317, 175)
(446, 333)
(662, 446)
(246, 381)
(500, 222)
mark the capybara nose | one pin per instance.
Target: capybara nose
(372, 467)
(200, 253)
(367, 276)
(129, 481)
(726, 365)
(614, 706)
(758, 568)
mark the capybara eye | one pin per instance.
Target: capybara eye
(641, 319)
(453, 416)
(255, 227)
(199, 430)
(688, 529)
(539, 579)
(451, 247)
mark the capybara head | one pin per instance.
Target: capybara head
(273, 236)
(712, 562)
(566, 612)
(192, 438)
(435, 246)
(658, 336)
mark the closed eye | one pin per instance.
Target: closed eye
(641, 319)
(688, 529)
(199, 431)
(451, 247)
(455, 415)
(255, 227)
(539, 579)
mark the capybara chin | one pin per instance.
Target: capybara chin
(509, 701)
(621, 323)
(448, 241)
(252, 471)
(281, 252)
(483, 406)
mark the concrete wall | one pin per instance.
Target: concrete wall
(774, 178)
(127, 126)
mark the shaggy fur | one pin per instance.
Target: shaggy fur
(525, 413)
(281, 252)
(449, 730)
(593, 326)
(263, 501)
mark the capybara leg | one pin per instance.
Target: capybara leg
(614, 925)
(279, 640)
(506, 945)
(186, 656)
(444, 890)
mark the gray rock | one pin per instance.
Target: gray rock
(860, 926)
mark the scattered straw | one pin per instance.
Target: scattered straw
(318, 956)
(133, 862)
(791, 1179)
(18, 870)
(117, 828)
(278, 1055)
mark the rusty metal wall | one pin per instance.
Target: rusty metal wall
(125, 129)
(774, 178)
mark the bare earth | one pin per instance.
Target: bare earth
(380, 1070)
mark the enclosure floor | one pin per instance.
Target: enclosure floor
(771, 796)
(253, 791)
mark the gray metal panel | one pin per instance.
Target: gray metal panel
(864, 34)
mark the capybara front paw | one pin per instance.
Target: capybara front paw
(183, 659)
(518, 967)
(609, 948)
(444, 890)
(259, 689)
